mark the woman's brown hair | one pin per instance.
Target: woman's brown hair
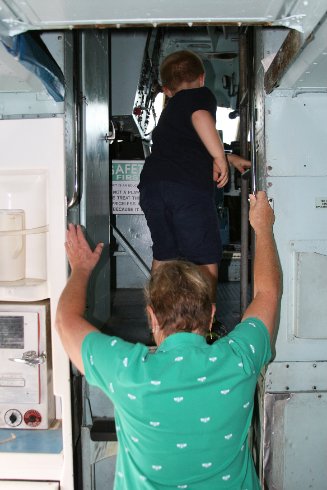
(179, 295)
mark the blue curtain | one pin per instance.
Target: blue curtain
(30, 51)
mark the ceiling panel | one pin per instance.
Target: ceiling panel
(45, 14)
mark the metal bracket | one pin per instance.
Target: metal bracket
(110, 138)
(30, 358)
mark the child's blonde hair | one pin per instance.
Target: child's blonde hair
(179, 295)
(179, 67)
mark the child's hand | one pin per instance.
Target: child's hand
(241, 164)
(220, 172)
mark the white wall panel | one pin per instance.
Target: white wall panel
(296, 146)
(300, 227)
(32, 146)
(296, 441)
(296, 135)
(29, 485)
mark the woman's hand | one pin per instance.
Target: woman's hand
(79, 253)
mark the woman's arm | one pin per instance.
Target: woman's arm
(70, 322)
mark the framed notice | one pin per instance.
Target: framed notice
(125, 179)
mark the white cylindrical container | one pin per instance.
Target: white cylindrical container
(12, 244)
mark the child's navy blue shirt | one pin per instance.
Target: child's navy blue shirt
(178, 154)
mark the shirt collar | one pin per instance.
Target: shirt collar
(182, 338)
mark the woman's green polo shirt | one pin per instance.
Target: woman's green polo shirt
(183, 412)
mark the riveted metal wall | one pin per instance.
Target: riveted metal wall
(297, 183)
(295, 176)
(295, 441)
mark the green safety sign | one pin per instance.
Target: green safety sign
(125, 194)
(126, 171)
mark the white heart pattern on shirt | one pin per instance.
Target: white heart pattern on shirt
(179, 358)
(204, 420)
(226, 477)
(154, 424)
(181, 445)
(228, 436)
(125, 361)
(113, 342)
(131, 397)
(202, 379)
(155, 382)
(224, 392)
(206, 465)
(134, 439)
(178, 399)
(246, 405)
(212, 359)
(156, 467)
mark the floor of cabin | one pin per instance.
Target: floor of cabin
(128, 319)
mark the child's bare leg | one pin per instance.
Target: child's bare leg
(217, 330)
(211, 272)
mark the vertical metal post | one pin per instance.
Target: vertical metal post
(72, 149)
(95, 204)
(244, 117)
(252, 109)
